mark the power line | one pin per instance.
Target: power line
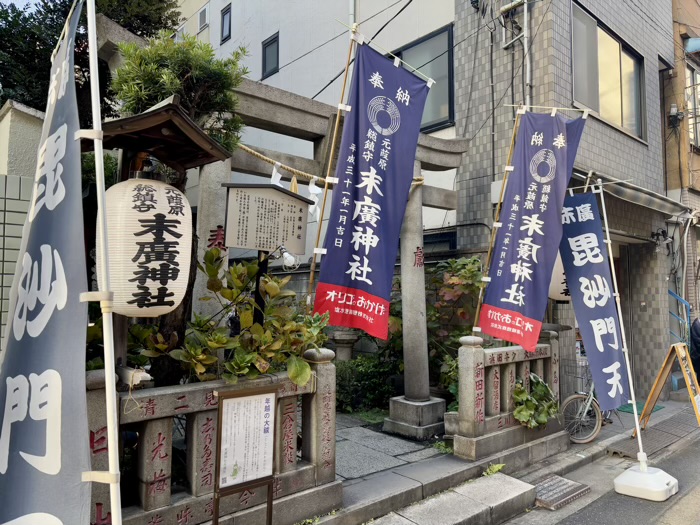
(375, 36)
(337, 36)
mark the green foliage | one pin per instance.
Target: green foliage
(534, 408)
(88, 169)
(373, 416)
(443, 447)
(363, 383)
(279, 342)
(29, 35)
(189, 69)
(493, 468)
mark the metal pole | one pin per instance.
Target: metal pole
(330, 164)
(641, 456)
(528, 56)
(106, 305)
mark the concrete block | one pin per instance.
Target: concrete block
(440, 474)
(414, 432)
(449, 508)
(417, 413)
(504, 496)
(295, 507)
(419, 455)
(356, 460)
(377, 496)
(392, 519)
(286, 434)
(378, 441)
(473, 448)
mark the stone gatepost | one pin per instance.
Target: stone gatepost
(97, 424)
(211, 211)
(415, 414)
(201, 451)
(318, 416)
(472, 389)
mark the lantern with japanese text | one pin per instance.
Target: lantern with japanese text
(149, 231)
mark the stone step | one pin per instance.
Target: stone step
(487, 500)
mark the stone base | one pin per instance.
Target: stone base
(489, 444)
(419, 420)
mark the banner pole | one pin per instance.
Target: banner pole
(494, 230)
(106, 305)
(641, 456)
(328, 169)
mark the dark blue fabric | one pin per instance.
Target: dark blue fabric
(586, 264)
(374, 171)
(42, 372)
(526, 244)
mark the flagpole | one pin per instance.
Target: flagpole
(494, 230)
(106, 300)
(641, 456)
(334, 139)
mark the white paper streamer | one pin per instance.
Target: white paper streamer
(276, 175)
(314, 192)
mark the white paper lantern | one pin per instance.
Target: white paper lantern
(558, 289)
(149, 233)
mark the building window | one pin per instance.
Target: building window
(203, 19)
(432, 56)
(225, 23)
(692, 96)
(608, 76)
(271, 55)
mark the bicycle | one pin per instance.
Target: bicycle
(581, 412)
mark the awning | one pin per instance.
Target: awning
(634, 194)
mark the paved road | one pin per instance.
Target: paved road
(603, 506)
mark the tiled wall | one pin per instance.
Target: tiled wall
(15, 193)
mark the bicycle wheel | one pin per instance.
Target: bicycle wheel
(582, 425)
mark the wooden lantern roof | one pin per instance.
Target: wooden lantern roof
(166, 132)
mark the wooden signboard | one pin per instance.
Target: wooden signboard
(262, 217)
(680, 351)
(245, 448)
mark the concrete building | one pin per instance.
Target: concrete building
(608, 57)
(20, 132)
(301, 47)
(622, 62)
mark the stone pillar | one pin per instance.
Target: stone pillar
(416, 414)
(551, 365)
(211, 211)
(201, 451)
(155, 463)
(507, 387)
(493, 390)
(472, 387)
(344, 342)
(318, 416)
(286, 434)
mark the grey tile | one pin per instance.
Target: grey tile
(354, 460)
(379, 441)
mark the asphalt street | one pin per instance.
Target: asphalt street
(603, 506)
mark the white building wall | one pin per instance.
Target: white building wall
(306, 25)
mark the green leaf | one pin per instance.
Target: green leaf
(298, 370)
(246, 317)
(179, 354)
(272, 289)
(522, 414)
(150, 353)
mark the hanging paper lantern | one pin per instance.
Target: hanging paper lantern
(149, 232)
(558, 289)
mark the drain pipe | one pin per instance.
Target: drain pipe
(526, 44)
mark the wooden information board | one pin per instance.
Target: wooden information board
(680, 351)
(245, 448)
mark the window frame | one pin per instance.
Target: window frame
(201, 27)
(449, 121)
(692, 99)
(226, 11)
(266, 43)
(638, 58)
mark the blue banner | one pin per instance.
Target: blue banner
(526, 243)
(44, 431)
(374, 172)
(587, 267)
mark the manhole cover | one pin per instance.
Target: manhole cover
(555, 492)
